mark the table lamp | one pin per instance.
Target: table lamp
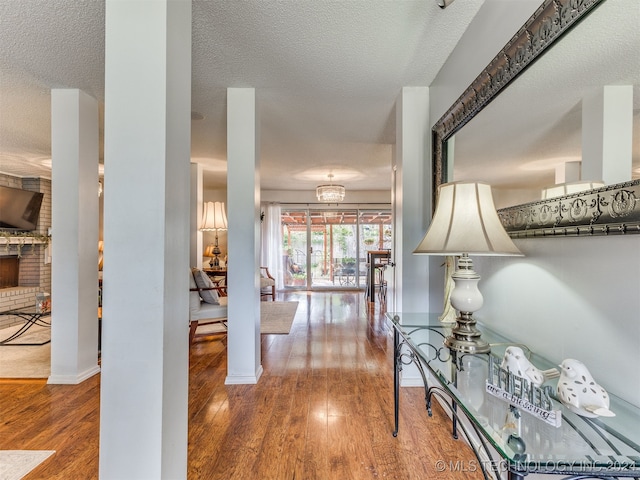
(466, 223)
(214, 218)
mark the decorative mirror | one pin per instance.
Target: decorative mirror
(610, 209)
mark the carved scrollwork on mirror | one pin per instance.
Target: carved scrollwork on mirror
(610, 210)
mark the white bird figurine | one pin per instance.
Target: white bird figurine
(516, 362)
(580, 393)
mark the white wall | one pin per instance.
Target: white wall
(571, 298)
(568, 297)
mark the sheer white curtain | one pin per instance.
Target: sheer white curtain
(272, 242)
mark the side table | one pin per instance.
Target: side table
(217, 272)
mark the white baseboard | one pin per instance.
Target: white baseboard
(244, 379)
(73, 379)
(411, 382)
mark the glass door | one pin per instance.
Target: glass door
(294, 248)
(375, 235)
(327, 249)
(334, 239)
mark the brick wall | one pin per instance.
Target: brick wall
(16, 297)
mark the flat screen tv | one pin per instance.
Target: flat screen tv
(19, 209)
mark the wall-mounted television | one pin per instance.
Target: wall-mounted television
(19, 209)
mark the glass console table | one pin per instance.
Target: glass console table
(509, 442)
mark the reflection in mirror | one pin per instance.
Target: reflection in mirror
(531, 137)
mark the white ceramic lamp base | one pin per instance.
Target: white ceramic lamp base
(466, 299)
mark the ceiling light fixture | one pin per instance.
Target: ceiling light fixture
(330, 193)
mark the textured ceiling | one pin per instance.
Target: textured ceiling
(326, 73)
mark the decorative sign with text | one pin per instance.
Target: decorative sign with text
(520, 393)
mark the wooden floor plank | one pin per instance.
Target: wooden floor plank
(323, 409)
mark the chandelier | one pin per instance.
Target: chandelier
(330, 193)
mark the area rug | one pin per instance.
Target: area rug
(26, 361)
(15, 464)
(35, 334)
(277, 317)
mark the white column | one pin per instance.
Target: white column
(607, 134)
(144, 386)
(412, 208)
(413, 197)
(568, 172)
(243, 216)
(196, 198)
(74, 231)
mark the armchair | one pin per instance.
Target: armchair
(267, 284)
(207, 306)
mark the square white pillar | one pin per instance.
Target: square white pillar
(607, 134)
(243, 216)
(74, 231)
(568, 172)
(144, 387)
(412, 197)
(412, 207)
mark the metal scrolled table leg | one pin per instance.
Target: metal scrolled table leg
(396, 380)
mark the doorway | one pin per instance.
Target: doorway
(327, 248)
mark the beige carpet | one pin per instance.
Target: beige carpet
(26, 361)
(15, 464)
(277, 317)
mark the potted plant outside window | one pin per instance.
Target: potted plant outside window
(298, 279)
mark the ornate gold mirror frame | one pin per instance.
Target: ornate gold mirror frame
(605, 211)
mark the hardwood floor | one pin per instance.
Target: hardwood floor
(323, 409)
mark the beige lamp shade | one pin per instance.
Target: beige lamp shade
(466, 221)
(208, 251)
(214, 217)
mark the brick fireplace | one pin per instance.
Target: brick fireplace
(21, 278)
(23, 270)
(24, 256)
(9, 271)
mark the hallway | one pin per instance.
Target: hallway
(323, 409)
